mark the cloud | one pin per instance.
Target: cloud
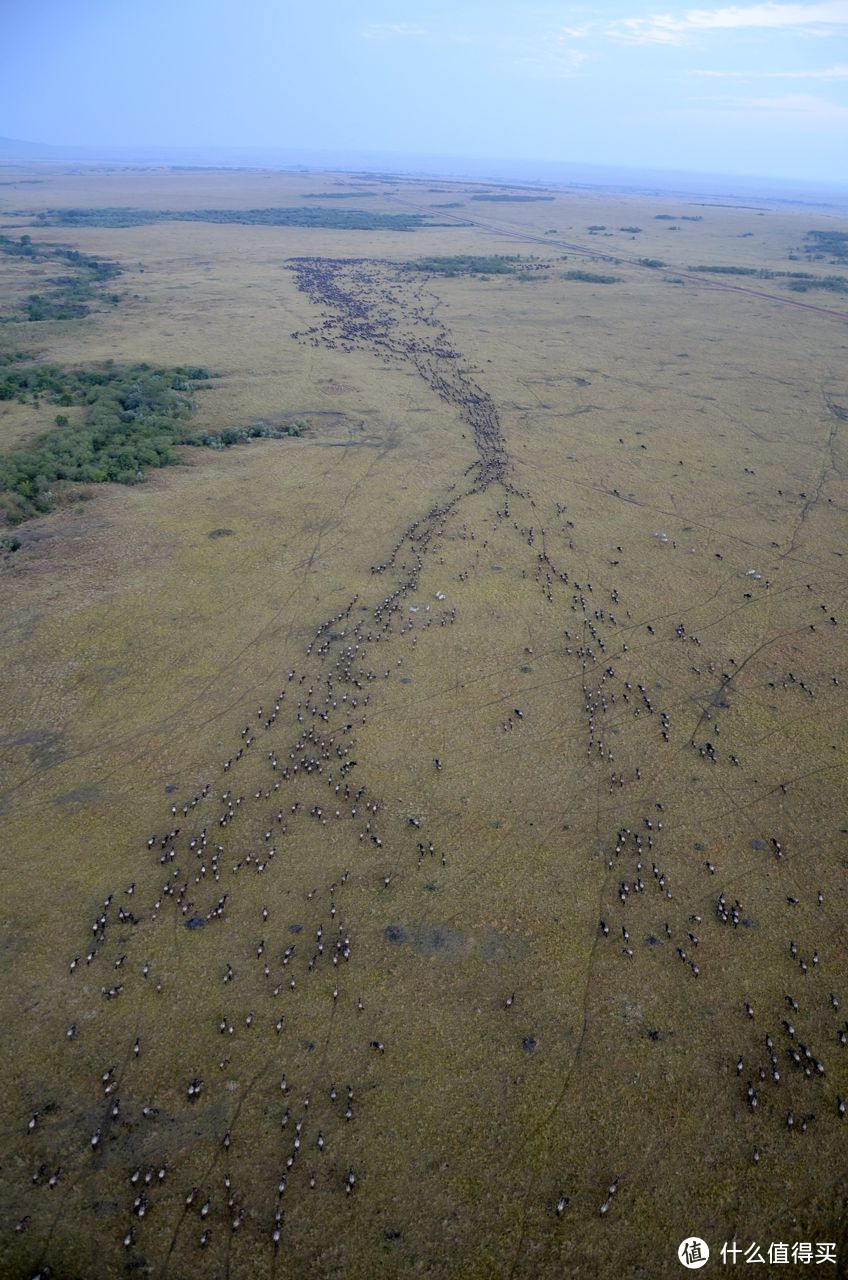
(820, 73)
(808, 107)
(809, 104)
(558, 55)
(667, 28)
(552, 56)
(576, 33)
(393, 30)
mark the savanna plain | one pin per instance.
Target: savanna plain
(423, 804)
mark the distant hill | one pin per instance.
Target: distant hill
(559, 174)
(17, 149)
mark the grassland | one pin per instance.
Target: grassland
(552, 595)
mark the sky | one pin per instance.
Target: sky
(749, 89)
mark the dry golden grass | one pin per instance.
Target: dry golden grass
(137, 647)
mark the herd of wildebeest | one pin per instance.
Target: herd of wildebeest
(298, 762)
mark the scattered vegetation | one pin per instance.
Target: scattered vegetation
(510, 199)
(679, 217)
(591, 277)
(307, 216)
(449, 204)
(650, 262)
(800, 281)
(632, 230)
(834, 243)
(836, 284)
(69, 296)
(338, 195)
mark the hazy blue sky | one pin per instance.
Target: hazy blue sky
(750, 88)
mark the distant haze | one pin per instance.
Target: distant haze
(750, 89)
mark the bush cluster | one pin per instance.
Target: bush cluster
(591, 277)
(466, 264)
(240, 435)
(132, 418)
